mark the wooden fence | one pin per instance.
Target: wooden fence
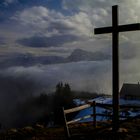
(94, 114)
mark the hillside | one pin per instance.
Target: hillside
(129, 129)
(83, 131)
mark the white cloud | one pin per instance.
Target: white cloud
(101, 10)
(80, 23)
(89, 14)
(94, 8)
(42, 18)
(34, 16)
(83, 76)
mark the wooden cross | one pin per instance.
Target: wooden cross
(115, 29)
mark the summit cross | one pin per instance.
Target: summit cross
(115, 29)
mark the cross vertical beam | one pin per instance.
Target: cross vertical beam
(115, 68)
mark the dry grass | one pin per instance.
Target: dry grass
(79, 131)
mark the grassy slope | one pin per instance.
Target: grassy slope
(42, 133)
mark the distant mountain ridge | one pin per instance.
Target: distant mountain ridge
(29, 59)
(80, 55)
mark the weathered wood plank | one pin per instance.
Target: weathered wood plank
(79, 119)
(94, 113)
(121, 28)
(106, 106)
(129, 27)
(66, 128)
(121, 106)
(77, 108)
(103, 30)
(130, 106)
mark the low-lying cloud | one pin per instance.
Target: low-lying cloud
(20, 83)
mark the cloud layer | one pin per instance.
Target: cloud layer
(48, 27)
(56, 28)
(43, 27)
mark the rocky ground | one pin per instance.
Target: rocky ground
(129, 131)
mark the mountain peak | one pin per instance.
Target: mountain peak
(82, 55)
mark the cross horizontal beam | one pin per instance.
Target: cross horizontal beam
(121, 28)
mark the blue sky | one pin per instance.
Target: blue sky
(58, 27)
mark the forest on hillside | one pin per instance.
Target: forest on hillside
(45, 108)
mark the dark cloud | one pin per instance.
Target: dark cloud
(2, 41)
(27, 59)
(16, 4)
(9, 3)
(13, 90)
(41, 41)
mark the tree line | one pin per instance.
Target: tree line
(46, 108)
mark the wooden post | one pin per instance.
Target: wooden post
(94, 114)
(115, 68)
(66, 129)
